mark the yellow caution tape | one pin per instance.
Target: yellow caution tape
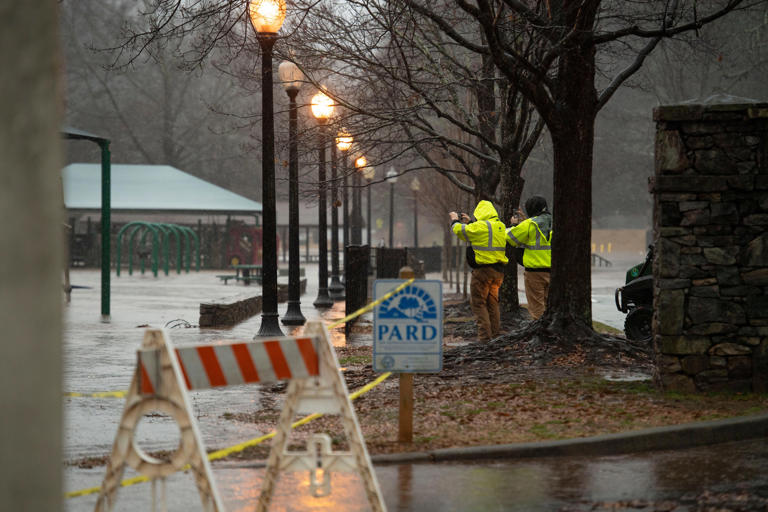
(100, 394)
(220, 454)
(372, 305)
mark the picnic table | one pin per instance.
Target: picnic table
(245, 273)
(248, 273)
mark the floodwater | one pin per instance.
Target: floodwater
(100, 357)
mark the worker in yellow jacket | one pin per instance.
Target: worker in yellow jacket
(534, 235)
(486, 255)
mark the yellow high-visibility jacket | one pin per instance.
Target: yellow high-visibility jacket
(486, 235)
(535, 236)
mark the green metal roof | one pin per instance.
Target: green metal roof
(75, 133)
(149, 187)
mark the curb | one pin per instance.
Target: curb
(676, 437)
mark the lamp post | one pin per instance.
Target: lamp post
(322, 108)
(392, 178)
(344, 143)
(369, 173)
(336, 289)
(267, 17)
(415, 187)
(290, 77)
(360, 166)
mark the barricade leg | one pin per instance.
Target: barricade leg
(277, 450)
(329, 363)
(328, 392)
(170, 397)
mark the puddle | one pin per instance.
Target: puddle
(616, 376)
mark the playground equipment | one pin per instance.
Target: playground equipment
(160, 237)
(245, 245)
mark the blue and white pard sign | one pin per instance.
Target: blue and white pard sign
(408, 327)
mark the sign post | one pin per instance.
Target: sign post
(408, 337)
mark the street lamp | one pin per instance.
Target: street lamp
(322, 108)
(267, 17)
(415, 187)
(357, 225)
(369, 173)
(290, 77)
(336, 289)
(392, 178)
(344, 142)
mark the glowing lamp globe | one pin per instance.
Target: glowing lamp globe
(290, 75)
(267, 16)
(344, 141)
(322, 107)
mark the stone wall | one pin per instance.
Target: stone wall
(233, 310)
(711, 235)
(229, 311)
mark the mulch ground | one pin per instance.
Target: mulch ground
(512, 389)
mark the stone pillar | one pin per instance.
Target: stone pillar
(711, 234)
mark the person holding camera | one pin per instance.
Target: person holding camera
(534, 236)
(486, 255)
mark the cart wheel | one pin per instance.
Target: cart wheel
(637, 325)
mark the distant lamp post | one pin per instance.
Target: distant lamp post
(322, 108)
(369, 173)
(267, 17)
(335, 289)
(357, 215)
(344, 143)
(343, 146)
(392, 179)
(415, 187)
(291, 77)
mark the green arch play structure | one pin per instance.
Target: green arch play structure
(158, 234)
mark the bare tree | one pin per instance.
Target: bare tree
(568, 89)
(419, 100)
(402, 84)
(153, 111)
(729, 56)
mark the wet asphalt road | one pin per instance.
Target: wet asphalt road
(671, 480)
(101, 357)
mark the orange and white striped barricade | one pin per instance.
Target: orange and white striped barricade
(310, 365)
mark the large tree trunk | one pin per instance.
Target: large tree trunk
(511, 189)
(572, 134)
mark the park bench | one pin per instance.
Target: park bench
(282, 272)
(244, 279)
(227, 277)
